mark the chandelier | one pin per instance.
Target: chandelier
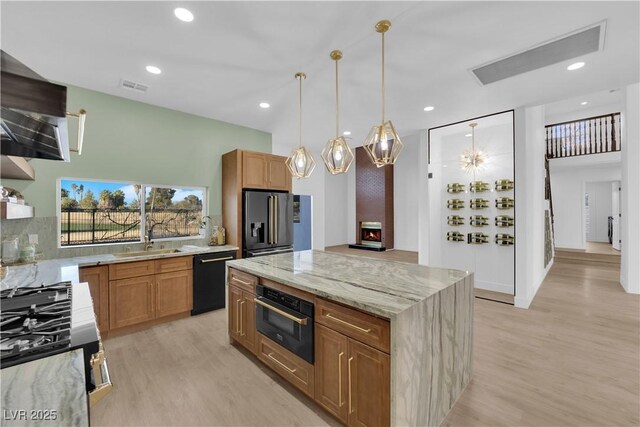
(472, 160)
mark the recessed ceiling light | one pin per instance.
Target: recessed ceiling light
(584, 103)
(575, 66)
(468, 135)
(153, 69)
(183, 14)
(346, 133)
(429, 108)
(264, 105)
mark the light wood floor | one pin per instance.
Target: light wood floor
(571, 359)
(600, 248)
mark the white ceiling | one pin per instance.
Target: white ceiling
(237, 54)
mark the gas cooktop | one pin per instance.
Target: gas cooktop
(35, 322)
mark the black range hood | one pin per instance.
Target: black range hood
(33, 113)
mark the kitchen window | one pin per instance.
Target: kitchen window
(102, 212)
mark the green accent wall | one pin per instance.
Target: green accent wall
(131, 141)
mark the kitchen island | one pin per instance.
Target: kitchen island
(411, 326)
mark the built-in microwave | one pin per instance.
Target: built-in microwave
(286, 320)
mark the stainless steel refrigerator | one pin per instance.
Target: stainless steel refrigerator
(267, 219)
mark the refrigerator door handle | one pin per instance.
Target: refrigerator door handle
(270, 221)
(276, 209)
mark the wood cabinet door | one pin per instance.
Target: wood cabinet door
(248, 323)
(254, 170)
(131, 301)
(278, 175)
(369, 383)
(233, 308)
(98, 280)
(174, 293)
(332, 387)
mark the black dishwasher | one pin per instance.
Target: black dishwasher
(209, 281)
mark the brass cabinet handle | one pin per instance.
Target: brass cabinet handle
(237, 316)
(204, 261)
(280, 312)
(241, 315)
(270, 356)
(350, 405)
(366, 331)
(240, 280)
(340, 379)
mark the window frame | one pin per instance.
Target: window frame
(143, 224)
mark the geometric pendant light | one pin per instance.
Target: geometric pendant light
(337, 155)
(300, 162)
(383, 143)
(472, 160)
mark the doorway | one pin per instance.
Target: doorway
(602, 217)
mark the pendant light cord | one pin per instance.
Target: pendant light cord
(337, 104)
(300, 112)
(383, 78)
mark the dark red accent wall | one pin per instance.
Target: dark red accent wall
(374, 196)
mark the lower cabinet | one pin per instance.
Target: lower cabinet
(174, 293)
(131, 301)
(98, 280)
(352, 379)
(136, 296)
(242, 317)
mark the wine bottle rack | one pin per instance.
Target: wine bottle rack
(477, 238)
(455, 188)
(478, 221)
(503, 239)
(505, 203)
(504, 185)
(478, 203)
(479, 186)
(455, 220)
(504, 221)
(455, 204)
(455, 236)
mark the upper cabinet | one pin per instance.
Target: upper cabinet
(12, 167)
(265, 171)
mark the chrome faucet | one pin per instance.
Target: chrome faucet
(148, 244)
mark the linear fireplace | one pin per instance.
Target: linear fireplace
(371, 234)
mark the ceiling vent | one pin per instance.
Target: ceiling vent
(131, 85)
(568, 46)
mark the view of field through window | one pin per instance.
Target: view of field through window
(94, 212)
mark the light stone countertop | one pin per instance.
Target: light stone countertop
(385, 288)
(57, 270)
(46, 392)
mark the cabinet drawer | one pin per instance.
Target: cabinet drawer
(360, 326)
(243, 280)
(167, 265)
(292, 368)
(126, 270)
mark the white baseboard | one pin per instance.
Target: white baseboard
(524, 301)
(495, 287)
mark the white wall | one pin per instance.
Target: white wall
(406, 174)
(630, 227)
(530, 204)
(581, 113)
(336, 207)
(568, 185)
(599, 211)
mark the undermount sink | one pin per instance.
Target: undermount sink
(146, 253)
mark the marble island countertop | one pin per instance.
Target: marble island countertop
(63, 269)
(46, 392)
(385, 288)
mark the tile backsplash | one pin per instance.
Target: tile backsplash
(47, 248)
